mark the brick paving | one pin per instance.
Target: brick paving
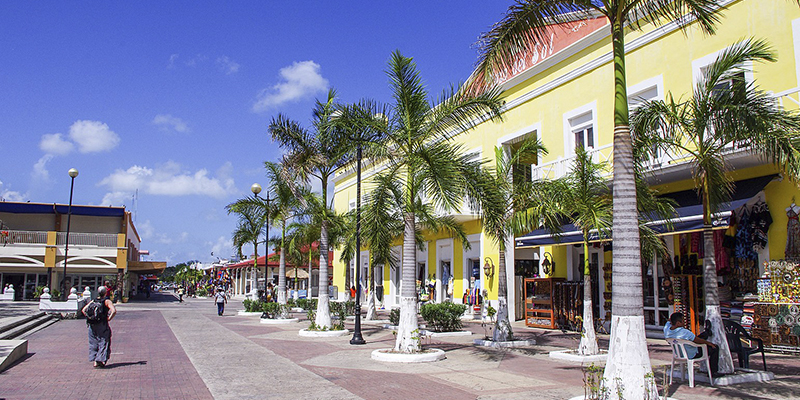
(147, 362)
(163, 349)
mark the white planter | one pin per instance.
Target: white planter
(572, 355)
(742, 375)
(428, 355)
(297, 309)
(382, 322)
(248, 313)
(308, 333)
(446, 334)
(512, 343)
(279, 321)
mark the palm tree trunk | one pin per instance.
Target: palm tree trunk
(711, 290)
(588, 345)
(255, 268)
(502, 329)
(323, 319)
(628, 358)
(408, 328)
(282, 266)
(372, 313)
(347, 283)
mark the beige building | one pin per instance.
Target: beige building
(103, 245)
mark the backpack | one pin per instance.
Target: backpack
(94, 312)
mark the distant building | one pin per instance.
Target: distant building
(103, 245)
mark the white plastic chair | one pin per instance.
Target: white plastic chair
(679, 356)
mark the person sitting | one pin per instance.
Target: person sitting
(674, 329)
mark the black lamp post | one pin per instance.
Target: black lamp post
(357, 338)
(72, 174)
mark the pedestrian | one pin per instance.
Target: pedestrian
(180, 294)
(99, 330)
(220, 299)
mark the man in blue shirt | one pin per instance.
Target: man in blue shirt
(674, 330)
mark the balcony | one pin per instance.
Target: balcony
(9, 237)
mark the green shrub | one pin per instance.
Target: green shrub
(253, 305)
(202, 292)
(394, 316)
(340, 311)
(290, 302)
(273, 310)
(307, 304)
(443, 317)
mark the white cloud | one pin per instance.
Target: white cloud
(222, 248)
(172, 58)
(40, 171)
(301, 79)
(167, 122)
(196, 60)
(165, 180)
(145, 230)
(93, 136)
(11, 195)
(54, 144)
(227, 65)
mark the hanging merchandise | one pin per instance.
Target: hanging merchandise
(792, 233)
(775, 316)
(762, 219)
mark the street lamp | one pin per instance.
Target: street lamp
(256, 189)
(357, 337)
(72, 174)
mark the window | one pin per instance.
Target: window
(582, 131)
(638, 94)
(579, 128)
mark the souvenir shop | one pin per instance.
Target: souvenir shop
(741, 233)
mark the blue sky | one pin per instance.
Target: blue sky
(172, 99)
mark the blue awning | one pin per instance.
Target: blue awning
(39, 208)
(688, 216)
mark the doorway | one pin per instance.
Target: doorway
(17, 280)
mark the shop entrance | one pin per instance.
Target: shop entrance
(17, 280)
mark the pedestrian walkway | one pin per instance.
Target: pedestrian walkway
(165, 349)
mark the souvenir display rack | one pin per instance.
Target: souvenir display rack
(607, 275)
(688, 299)
(568, 304)
(539, 305)
(776, 316)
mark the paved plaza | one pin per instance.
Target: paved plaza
(170, 350)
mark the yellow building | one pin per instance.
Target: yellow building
(562, 92)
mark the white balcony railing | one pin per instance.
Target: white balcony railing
(23, 237)
(88, 239)
(11, 237)
(558, 168)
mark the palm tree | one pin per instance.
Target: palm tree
(507, 209)
(318, 153)
(725, 113)
(252, 214)
(533, 20)
(300, 247)
(284, 207)
(584, 200)
(419, 151)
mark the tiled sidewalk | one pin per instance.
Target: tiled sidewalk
(147, 362)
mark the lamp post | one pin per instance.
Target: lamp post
(72, 174)
(256, 189)
(357, 337)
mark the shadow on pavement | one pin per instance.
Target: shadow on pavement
(125, 364)
(155, 297)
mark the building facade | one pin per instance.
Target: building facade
(103, 245)
(562, 93)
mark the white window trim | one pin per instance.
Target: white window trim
(515, 137)
(702, 62)
(645, 85)
(569, 140)
(796, 44)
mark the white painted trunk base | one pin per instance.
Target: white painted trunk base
(502, 330)
(588, 345)
(408, 330)
(628, 359)
(719, 338)
(372, 313)
(323, 319)
(513, 343)
(281, 296)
